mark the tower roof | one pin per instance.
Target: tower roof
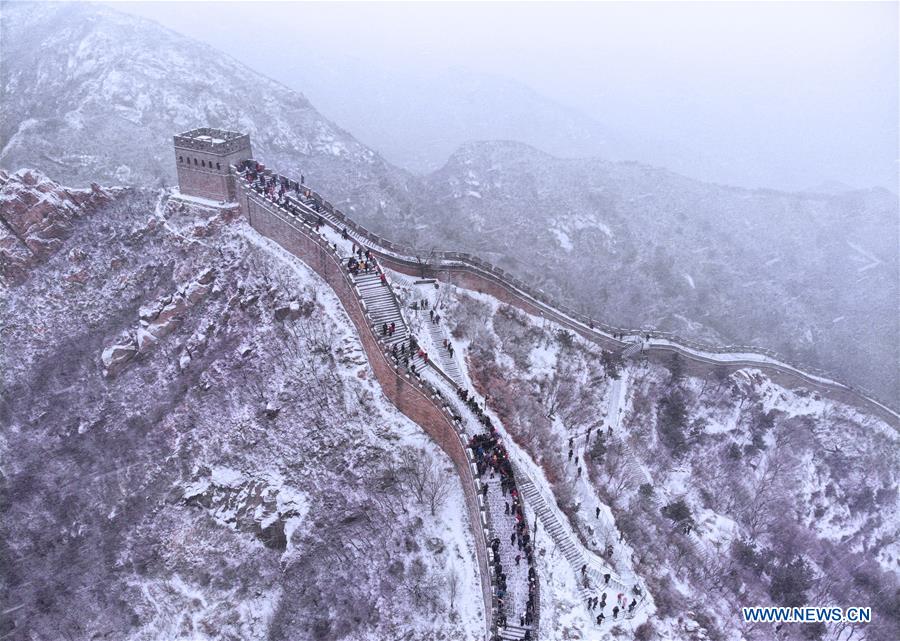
(209, 139)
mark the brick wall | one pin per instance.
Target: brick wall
(693, 365)
(206, 174)
(408, 395)
(204, 183)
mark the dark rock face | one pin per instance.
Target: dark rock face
(36, 216)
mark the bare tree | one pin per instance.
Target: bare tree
(549, 389)
(427, 480)
(425, 261)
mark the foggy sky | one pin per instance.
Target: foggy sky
(783, 95)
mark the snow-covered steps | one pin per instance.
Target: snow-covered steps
(515, 632)
(448, 362)
(333, 221)
(500, 518)
(633, 349)
(384, 311)
(589, 569)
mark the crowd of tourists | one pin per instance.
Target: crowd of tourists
(621, 604)
(492, 461)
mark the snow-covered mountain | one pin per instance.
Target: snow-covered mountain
(193, 444)
(635, 245)
(717, 489)
(813, 276)
(90, 94)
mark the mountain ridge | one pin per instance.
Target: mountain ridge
(661, 240)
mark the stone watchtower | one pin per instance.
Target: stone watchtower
(203, 157)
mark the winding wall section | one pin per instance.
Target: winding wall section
(409, 395)
(421, 402)
(470, 272)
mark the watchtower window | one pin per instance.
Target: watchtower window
(180, 158)
(195, 162)
(219, 166)
(203, 163)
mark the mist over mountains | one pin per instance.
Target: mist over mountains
(812, 275)
(418, 119)
(120, 87)
(778, 95)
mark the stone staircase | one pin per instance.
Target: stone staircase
(633, 349)
(514, 632)
(383, 308)
(502, 526)
(448, 363)
(591, 583)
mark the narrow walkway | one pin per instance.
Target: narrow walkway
(387, 319)
(502, 500)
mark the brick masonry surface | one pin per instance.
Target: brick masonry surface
(203, 169)
(412, 400)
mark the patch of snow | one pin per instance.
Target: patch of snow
(226, 477)
(563, 239)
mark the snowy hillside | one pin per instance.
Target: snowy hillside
(194, 447)
(122, 87)
(717, 492)
(812, 276)
(634, 245)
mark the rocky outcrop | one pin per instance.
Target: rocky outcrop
(262, 505)
(115, 357)
(157, 320)
(36, 217)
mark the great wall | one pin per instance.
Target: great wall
(218, 165)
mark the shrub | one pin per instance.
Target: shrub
(645, 632)
(745, 553)
(565, 338)
(612, 363)
(790, 581)
(671, 421)
(678, 512)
